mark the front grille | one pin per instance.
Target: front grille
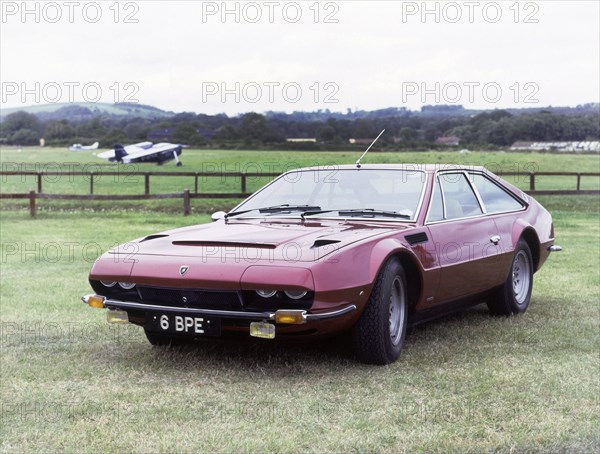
(192, 298)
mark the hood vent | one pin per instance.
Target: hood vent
(223, 244)
(153, 237)
(324, 242)
(417, 238)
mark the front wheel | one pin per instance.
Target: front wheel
(515, 294)
(380, 330)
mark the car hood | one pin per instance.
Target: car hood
(259, 240)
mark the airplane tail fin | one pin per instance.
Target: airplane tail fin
(95, 145)
(119, 152)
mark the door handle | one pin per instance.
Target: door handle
(495, 239)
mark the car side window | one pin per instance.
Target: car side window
(494, 198)
(436, 212)
(459, 198)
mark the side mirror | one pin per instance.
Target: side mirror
(217, 216)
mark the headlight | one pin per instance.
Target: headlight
(266, 293)
(295, 294)
(108, 283)
(126, 285)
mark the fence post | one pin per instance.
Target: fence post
(578, 182)
(186, 202)
(531, 181)
(243, 183)
(39, 182)
(32, 203)
(196, 183)
(92, 182)
(147, 183)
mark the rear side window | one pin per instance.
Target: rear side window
(494, 198)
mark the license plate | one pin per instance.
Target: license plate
(183, 324)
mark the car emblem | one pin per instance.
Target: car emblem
(183, 269)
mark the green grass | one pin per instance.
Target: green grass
(55, 159)
(467, 383)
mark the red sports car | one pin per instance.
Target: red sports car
(322, 251)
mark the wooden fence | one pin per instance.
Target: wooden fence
(187, 195)
(243, 176)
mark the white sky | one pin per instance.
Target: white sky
(378, 54)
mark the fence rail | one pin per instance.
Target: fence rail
(187, 195)
(243, 176)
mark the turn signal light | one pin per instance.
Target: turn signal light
(290, 317)
(96, 301)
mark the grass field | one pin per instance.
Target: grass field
(467, 383)
(219, 161)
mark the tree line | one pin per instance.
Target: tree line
(404, 129)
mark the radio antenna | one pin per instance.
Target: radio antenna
(367, 150)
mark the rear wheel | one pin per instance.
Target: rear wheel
(514, 296)
(380, 330)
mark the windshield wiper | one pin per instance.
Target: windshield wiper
(367, 212)
(277, 209)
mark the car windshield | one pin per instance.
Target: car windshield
(371, 193)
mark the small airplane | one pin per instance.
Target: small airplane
(144, 152)
(79, 147)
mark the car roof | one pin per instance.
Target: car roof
(427, 168)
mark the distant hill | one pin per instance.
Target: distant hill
(75, 112)
(81, 112)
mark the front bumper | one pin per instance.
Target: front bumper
(301, 316)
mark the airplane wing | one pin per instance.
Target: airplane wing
(154, 150)
(164, 147)
(130, 149)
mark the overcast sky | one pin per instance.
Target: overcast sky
(288, 56)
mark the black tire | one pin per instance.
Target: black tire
(379, 332)
(515, 294)
(159, 339)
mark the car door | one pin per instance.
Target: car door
(465, 239)
(501, 206)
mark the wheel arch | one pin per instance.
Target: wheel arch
(412, 270)
(533, 241)
(523, 229)
(414, 277)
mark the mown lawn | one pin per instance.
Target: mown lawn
(466, 383)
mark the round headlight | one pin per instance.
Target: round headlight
(296, 294)
(126, 285)
(108, 283)
(266, 293)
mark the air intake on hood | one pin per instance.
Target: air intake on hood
(417, 238)
(153, 237)
(223, 244)
(321, 243)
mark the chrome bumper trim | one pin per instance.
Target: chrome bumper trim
(123, 305)
(328, 315)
